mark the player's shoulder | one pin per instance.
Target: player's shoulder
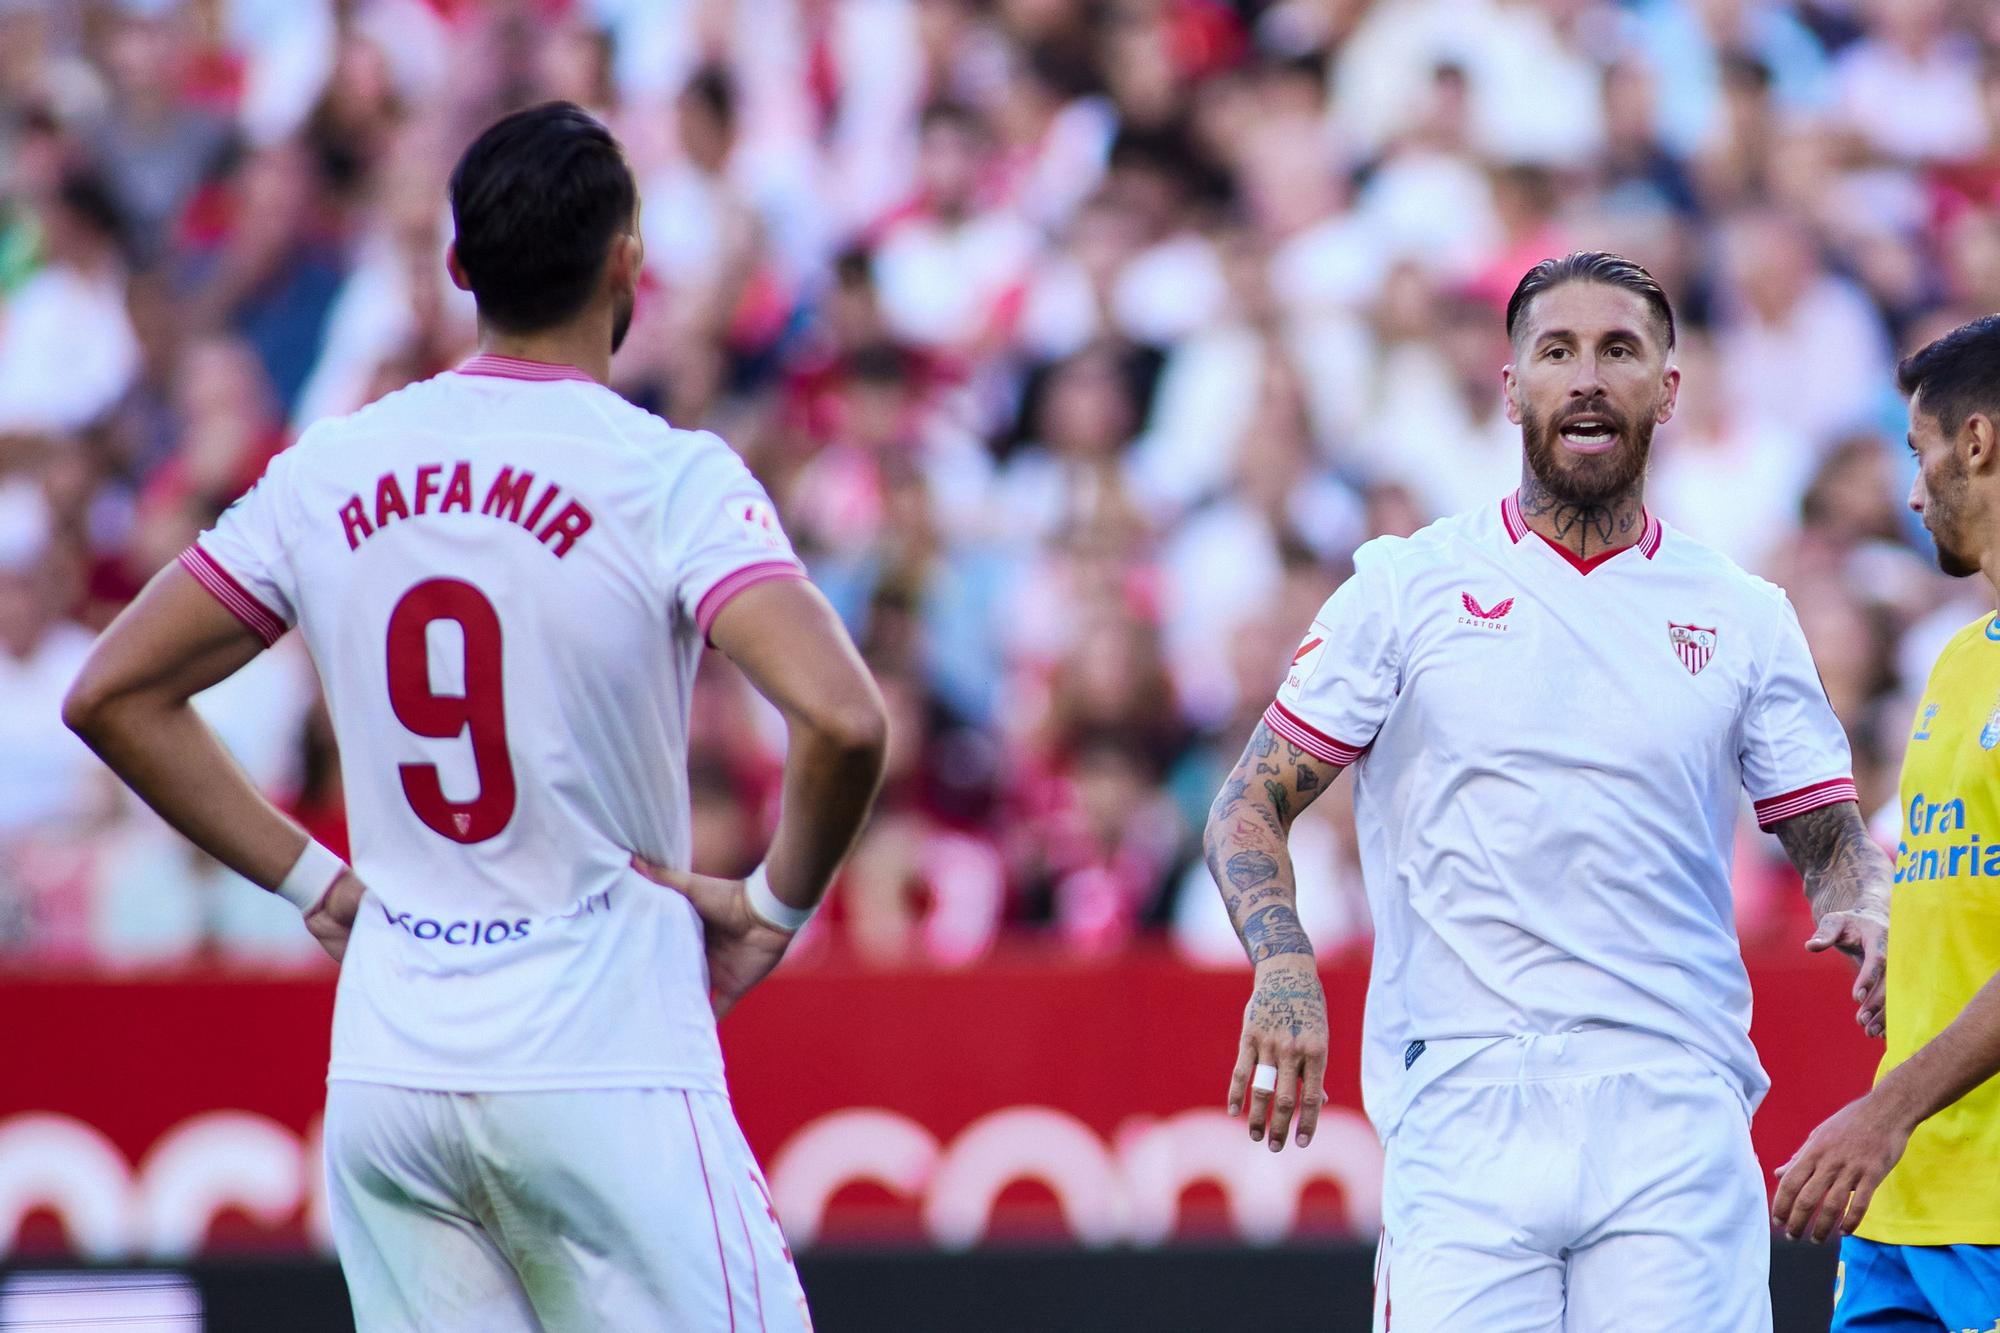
(1983, 630)
(647, 440)
(1439, 543)
(1697, 560)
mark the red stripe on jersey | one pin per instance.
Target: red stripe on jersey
(519, 368)
(260, 619)
(1517, 528)
(1776, 809)
(1309, 738)
(750, 1247)
(725, 588)
(728, 1296)
(1649, 540)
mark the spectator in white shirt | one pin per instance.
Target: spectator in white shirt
(1910, 88)
(1796, 341)
(67, 350)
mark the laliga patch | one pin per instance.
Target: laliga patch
(1306, 659)
(759, 521)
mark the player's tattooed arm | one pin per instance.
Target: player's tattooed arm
(1847, 883)
(1284, 1025)
(1245, 841)
(1587, 529)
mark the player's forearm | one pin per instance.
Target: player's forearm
(832, 770)
(1245, 842)
(1251, 862)
(1843, 868)
(168, 755)
(1949, 1065)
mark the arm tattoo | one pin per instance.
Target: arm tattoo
(1286, 1001)
(1843, 868)
(1270, 931)
(1245, 842)
(1588, 529)
(1248, 869)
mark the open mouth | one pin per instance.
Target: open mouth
(1589, 433)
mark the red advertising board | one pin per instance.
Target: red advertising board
(168, 1114)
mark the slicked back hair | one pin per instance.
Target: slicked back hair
(1958, 374)
(1590, 266)
(536, 201)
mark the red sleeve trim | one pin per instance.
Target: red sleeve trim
(1310, 738)
(260, 619)
(729, 585)
(1777, 809)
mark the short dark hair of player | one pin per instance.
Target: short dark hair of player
(536, 201)
(1590, 266)
(1958, 374)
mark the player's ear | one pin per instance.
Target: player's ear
(1978, 443)
(1673, 396)
(1510, 388)
(628, 256)
(456, 269)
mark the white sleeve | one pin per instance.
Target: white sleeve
(242, 560)
(723, 534)
(1794, 755)
(1345, 674)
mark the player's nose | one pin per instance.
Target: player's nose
(1915, 499)
(1585, 381)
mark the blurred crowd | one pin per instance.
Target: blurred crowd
(1079, 341)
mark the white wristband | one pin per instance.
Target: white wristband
(305, 885)
(766, 906)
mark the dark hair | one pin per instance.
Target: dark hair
(1590, 266)
(536, 201)
(715, 91)
(89, 200)
(1959, 374)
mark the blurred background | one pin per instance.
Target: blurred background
(1080, 342)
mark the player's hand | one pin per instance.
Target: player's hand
(333, 919)
(741, 949)
(1829, 1182)
(1863, 935)
(1283, 1025)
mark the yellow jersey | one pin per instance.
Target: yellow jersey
(1944, 944)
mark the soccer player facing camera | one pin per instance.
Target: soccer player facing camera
(1553, 707)
(1911, 1172)
(505, 575)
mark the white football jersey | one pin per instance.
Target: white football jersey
(505, 575)
(1549, 757)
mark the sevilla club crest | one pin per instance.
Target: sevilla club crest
(1692, 644)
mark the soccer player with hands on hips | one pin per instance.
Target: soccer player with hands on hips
(1553, 707)
(506, 575)
(1910, 1173)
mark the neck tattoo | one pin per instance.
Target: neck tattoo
(1585, 529)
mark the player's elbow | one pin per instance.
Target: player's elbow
(854, 725)
(90, 706)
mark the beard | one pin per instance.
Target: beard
(621, 319)
(1942, 520)
(1587, 480)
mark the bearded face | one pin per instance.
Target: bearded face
(1589, 384)
(1588, 453)
(1940, 493)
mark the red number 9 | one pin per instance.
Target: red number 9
(481, 710)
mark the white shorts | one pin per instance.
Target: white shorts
(624, 1208)
(1594, 1181)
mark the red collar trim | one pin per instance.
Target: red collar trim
(516, 368)
(1517, 527)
